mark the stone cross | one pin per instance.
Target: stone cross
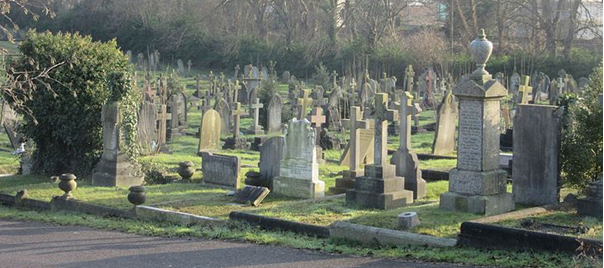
(256, 106)
(236, 70)
(355, 123)
(382, 116)
(525, 90)
(197, 88)
(409, 73)
(317, 119)
(304, 102)
(405, 112)
(189, 63)
(236, 112)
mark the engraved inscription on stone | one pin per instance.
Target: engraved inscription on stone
(470, 135)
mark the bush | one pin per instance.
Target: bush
(581, 152)
(62, 108)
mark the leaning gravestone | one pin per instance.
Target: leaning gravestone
(114, 169)
(221, 169)
(299, 173)
(271, 153)
(355, 124)
(536, 165)
(252, 195)
(275, 106)
(209, 138)
(478, 185)
(446, 117)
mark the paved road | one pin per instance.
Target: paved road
(28, 244)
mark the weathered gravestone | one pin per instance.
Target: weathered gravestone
(223, 109)
(114, 169)
(355, 124)
(147, 128)
(592, 204)
(256, 129)
(446, 117)
(181, 67)
(366, 152)
(536, 164)
(271, 153)
(252, 195)
(525, 92)
(406, 162)
(299, 173)
(209, 138)
(380, 188)
(236, 142)
(273, 114)
(477, 185)
(221, 169)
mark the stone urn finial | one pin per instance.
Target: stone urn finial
(67, 184)
(480, 50)
(137, 195)
(186, 170)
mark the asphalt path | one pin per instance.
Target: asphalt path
(32, 244)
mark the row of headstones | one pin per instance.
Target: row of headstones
(540, 87)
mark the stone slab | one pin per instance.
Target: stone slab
(371, 235)
(221, 169)
(181, 218)
(477, 183)
(485, 205)
(252, 195)
(299, 187)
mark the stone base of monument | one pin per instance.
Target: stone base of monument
(408, 164)
(116, 173)
(236, 143)
(320, 159)
(345, 183)
(302, 188)
(478, 204)
(256, 131)
(379, 189)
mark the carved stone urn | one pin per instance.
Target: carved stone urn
(67, 184)
(186, 170)
(137, 195)
(480, 50)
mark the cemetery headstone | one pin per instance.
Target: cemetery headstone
(536, 164)
(252, 195)
(446, 117)
(256, 129)
(592, 204)
(299, 173)
(525, 92)
(271, 154)
(209, 138)
(406, 162)
(477, 185)
(115, 168)
(380, 188)
(236, 142)
(221, 169)
(273, 115)
(223, 109)
(355, 124)
(147, 128)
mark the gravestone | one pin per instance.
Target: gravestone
(223, 109)
(147, 128)
(181, 67)
(10, 123)
(478, 185)
(251, 98)
(380, 188)
(304, 103)
(317, 119)
(256, 129)
(514, 82)
(525, 92)
(115, 168)
(583, 83)
(236, 142)
(299, 172)
(355, 124)
(220, 169)
(285, 77)
(366, 147)
(209, 138)
(174, 130)
(271, 153)
(273, 114)
(406, 162)
(536, 165)
(446, 117)
(592, 204)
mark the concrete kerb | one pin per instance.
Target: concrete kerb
(158, 214)
(371, 235)
(518, 214)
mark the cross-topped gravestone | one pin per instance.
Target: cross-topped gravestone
(256, 106)
(317, 119)
(409, 73)
(304, 102)
(381, 116)
(406, 161)
(380, 187)
(189, 64)
(524, 90)
(355, 124)
(236, 113)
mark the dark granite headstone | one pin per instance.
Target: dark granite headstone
(253, 195)
(221, 169)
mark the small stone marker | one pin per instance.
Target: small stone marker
(536, 164)
(478, 185)
(299, 173)
(407, 220)
(253, 195)
(446, 117)
(221, 169)
(210, 131)
(256, 106)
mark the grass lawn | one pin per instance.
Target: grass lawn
(564, 218)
